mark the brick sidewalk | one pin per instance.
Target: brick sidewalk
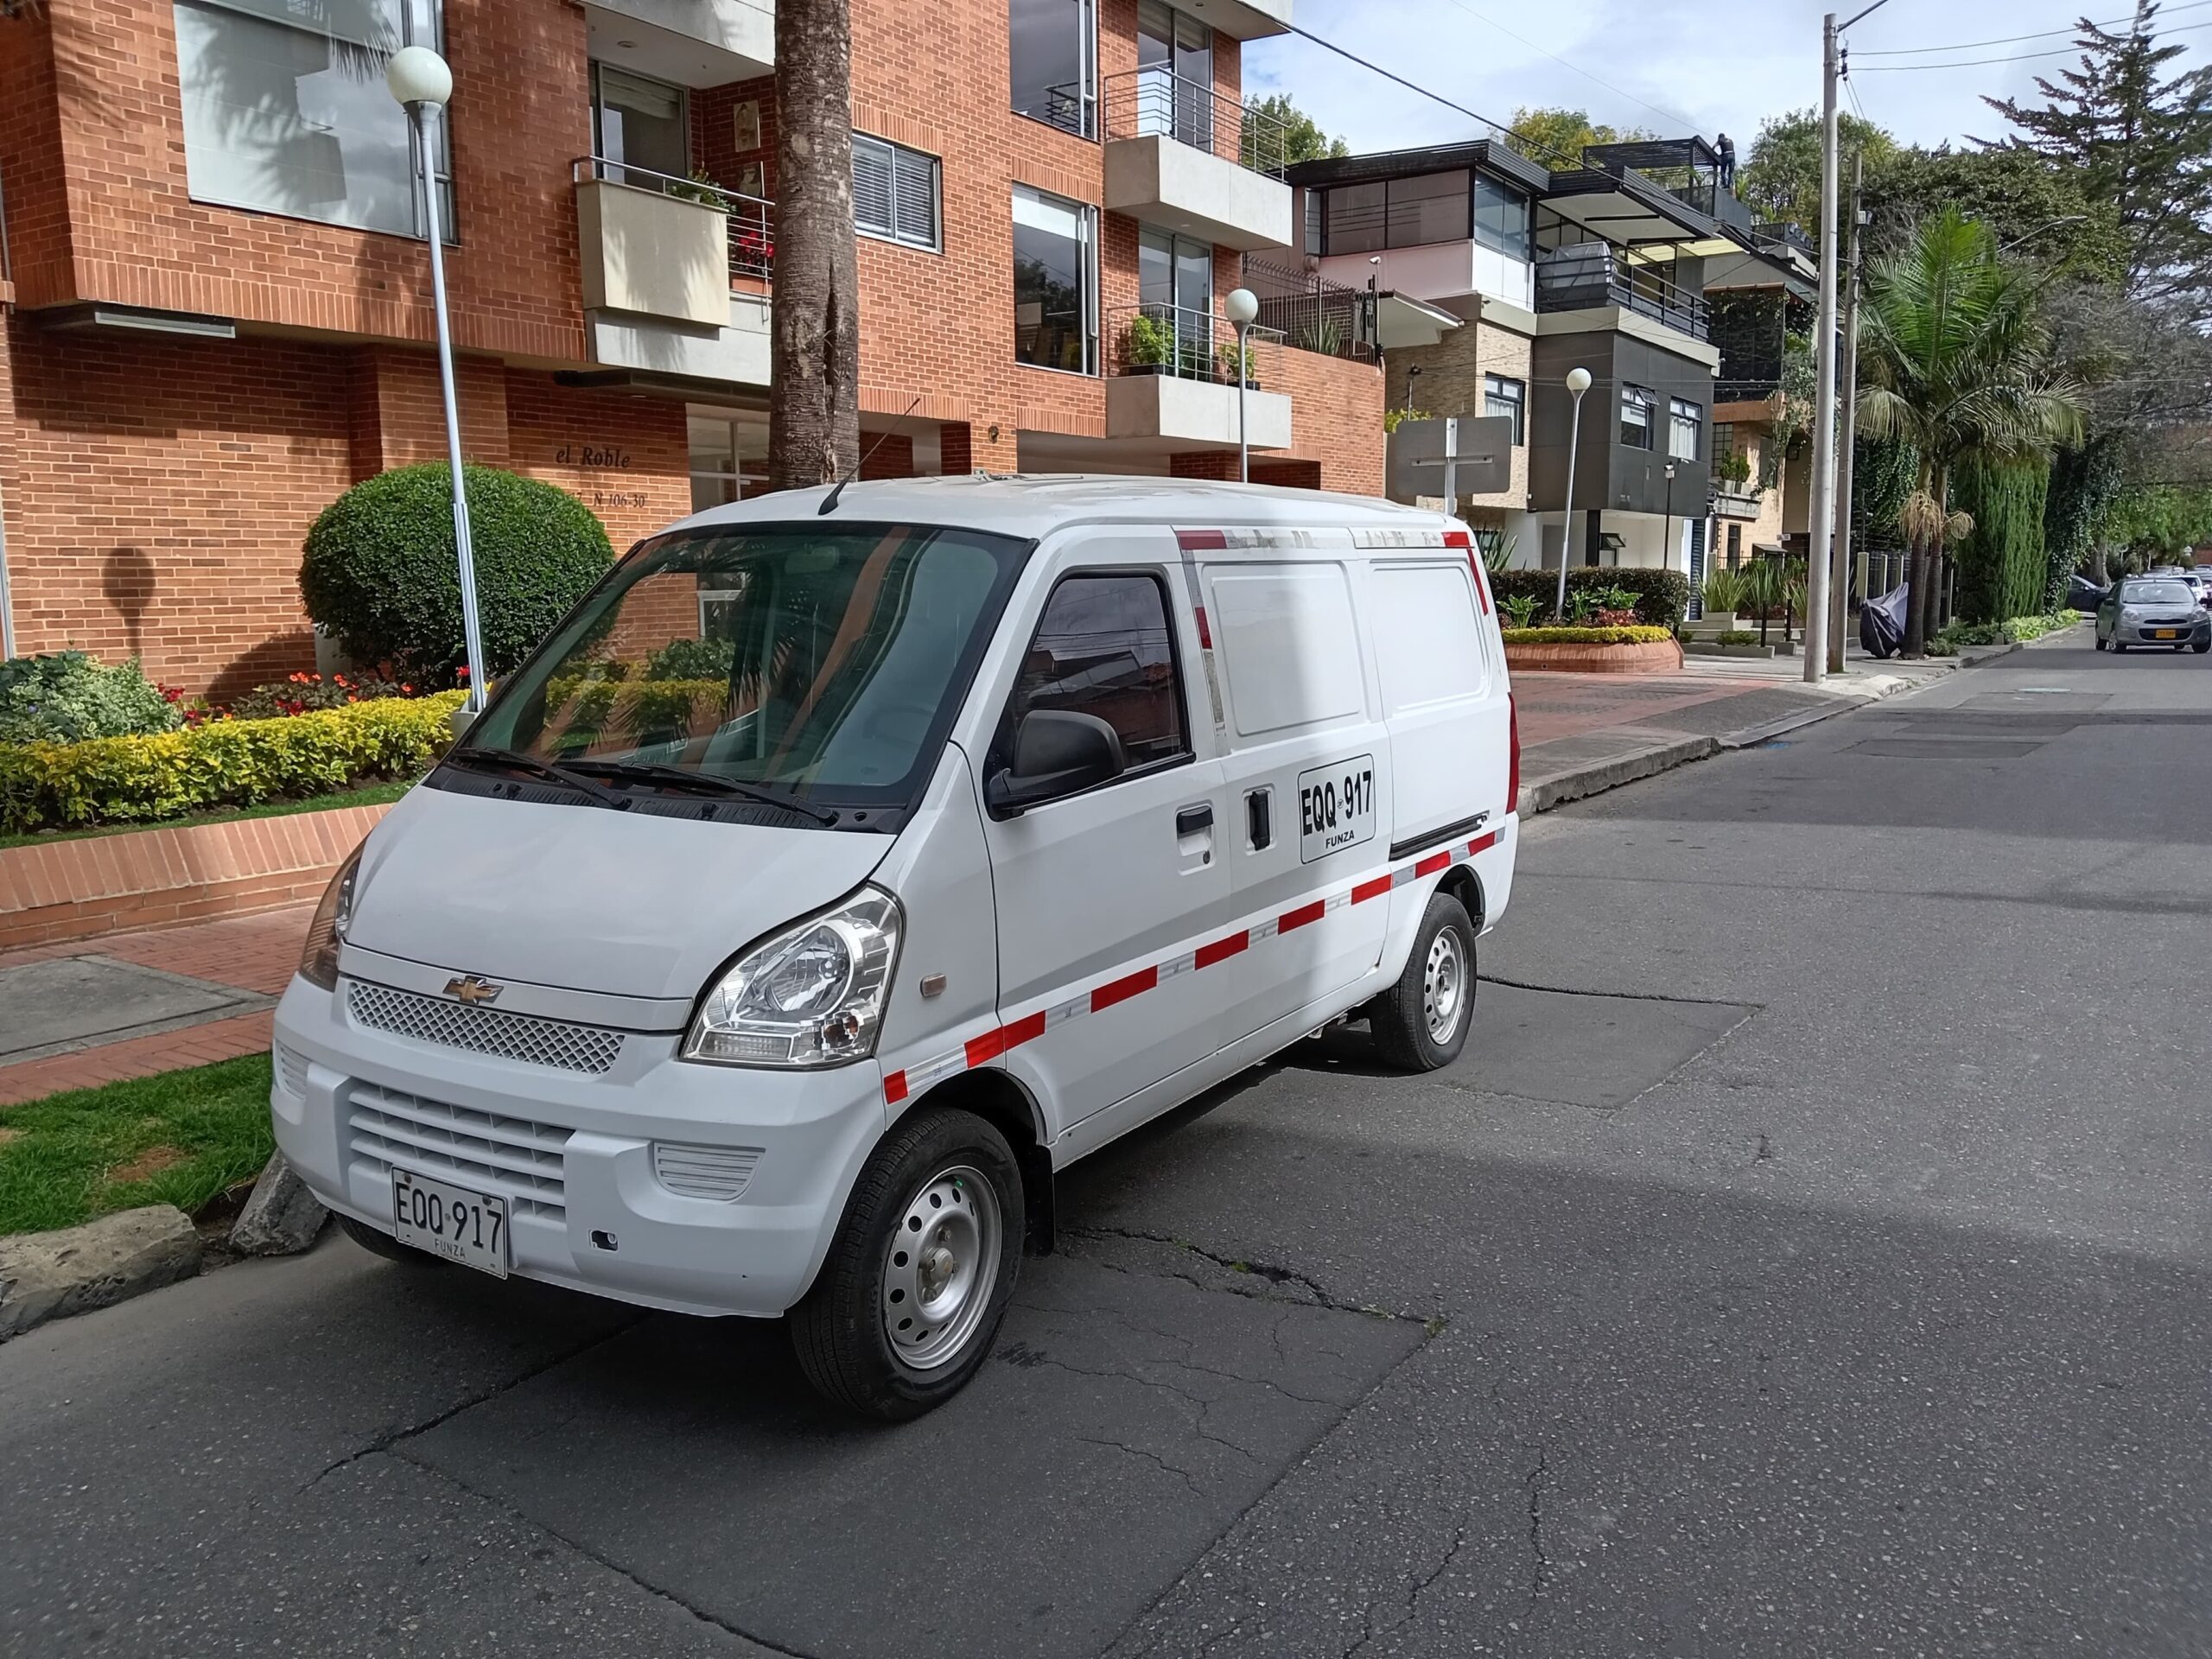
(1566, 705)
(254, 953)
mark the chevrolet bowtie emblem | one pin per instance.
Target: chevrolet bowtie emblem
(473, 989)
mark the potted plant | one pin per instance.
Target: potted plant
(1734, 471)
(1147, 344)
(1722, 593)
(1230, 357)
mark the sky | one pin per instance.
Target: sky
(1676, 65)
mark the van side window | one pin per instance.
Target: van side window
(1104, 647)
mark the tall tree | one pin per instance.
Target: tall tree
(1954, 359)
(2139, 140)
(2035, 210)
(1780, 178)
(1275, 123)
(1556, 136)
(814, 421)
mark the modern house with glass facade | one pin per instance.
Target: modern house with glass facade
(216, 297)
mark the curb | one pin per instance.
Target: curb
(1545, 793)
(75, 1270)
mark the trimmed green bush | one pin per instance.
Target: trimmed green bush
(2003, 566)
(1629, 636)
(1662, 597)
(380, 574)
(67, 697)
(225, 763)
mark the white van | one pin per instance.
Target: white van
(828, 879)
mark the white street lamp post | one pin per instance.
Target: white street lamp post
(420, 80)
(1578, 382)
(1243, 306)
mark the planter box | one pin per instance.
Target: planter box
(1658, 657)
(61, 890)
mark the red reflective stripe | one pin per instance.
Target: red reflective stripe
(1482, 585)
(1482, 845)
(1202, 540)
(1122, 989)
(1024, 1030)
(1433, 863)
(982, 1050)
(1205, 633)
(1459, 538)
(1302, 915)
(1222, 950)
(894, 1088)
(1367, 890)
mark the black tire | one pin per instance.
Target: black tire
(1405, 1036)
(841, 1330)
(384, 1244)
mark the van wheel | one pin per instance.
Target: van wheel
(1421, 1023)
(384, 1244)
(910, 1298)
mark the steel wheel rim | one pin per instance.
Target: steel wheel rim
(1444, 985)
(940, 1267)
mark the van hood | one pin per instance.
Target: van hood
(622, 903)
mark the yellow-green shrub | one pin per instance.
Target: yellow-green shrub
(1633, 635)
(225, 763)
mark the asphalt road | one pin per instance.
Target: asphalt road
(1808, 1257)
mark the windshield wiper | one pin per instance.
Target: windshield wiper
(530, 763)
(707, 782)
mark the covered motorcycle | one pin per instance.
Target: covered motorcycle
(1881, 622)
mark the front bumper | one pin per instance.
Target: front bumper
(2148, 634)
(574, 1153)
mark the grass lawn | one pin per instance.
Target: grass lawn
(180, 1138)
(373, 795)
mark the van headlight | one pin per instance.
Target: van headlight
(812, 995)
(319, 956)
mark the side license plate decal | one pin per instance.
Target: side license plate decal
(1336, 807)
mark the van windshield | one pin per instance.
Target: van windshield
(821, 663)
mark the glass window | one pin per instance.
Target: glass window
(728, 452)
(1430, 208)
(1055, 286)
(285, 116)
(643, 125)
(1684, 419)
(1174, 87)
(1355, 218)
(894, 193)
(822, 663)
(1724, 440)
(1055, 62)
(1505, 397)
(1501, 217)
(2167, 591)
(1104, 648)
(1637, 405)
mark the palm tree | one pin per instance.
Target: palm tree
(814, 421)
(1954, 358)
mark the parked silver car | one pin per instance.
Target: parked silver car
(2158, 611)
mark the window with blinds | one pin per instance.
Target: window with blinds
(894, 193)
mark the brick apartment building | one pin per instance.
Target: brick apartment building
(216, 292)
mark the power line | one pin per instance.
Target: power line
(1969, 63)
(1668, 115)
(2009, 39)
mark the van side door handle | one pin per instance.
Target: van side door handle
(1192, 819)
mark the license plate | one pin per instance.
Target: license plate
(1336, 807)
(451, 1222)
(2165, 633)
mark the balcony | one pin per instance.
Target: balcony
(1592, 274)
(1738, 501)
(1310, 314)
(1184, 157)
(674, 273)
(692, 42)
(1172, 381)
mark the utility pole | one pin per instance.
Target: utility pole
(1838, 612)
(1821, 516)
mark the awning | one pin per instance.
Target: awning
(1401, 320)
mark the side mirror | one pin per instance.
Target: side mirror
(1056, 752)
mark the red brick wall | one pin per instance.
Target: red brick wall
(625, 456)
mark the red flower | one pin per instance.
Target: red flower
(463, 671)
(407, 690)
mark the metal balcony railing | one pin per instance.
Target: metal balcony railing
(1591, 273)
(1158, 103)
(752, 218)
(1310, 314)
(1188, 344)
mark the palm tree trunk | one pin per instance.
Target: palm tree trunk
(814, 426)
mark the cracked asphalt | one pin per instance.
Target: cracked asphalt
(1808, 1257)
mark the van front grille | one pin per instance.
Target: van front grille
(522, 1162)
(591, 1049)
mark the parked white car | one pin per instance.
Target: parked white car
(825, 882)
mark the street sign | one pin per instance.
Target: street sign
(1450, 455)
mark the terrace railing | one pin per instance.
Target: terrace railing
(752, 218)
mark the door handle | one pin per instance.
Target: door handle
(1192, 819)
(1260, 814)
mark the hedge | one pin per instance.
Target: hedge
(1662, 597)
(1632, 636)
(2003, 566)
(225, 763)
